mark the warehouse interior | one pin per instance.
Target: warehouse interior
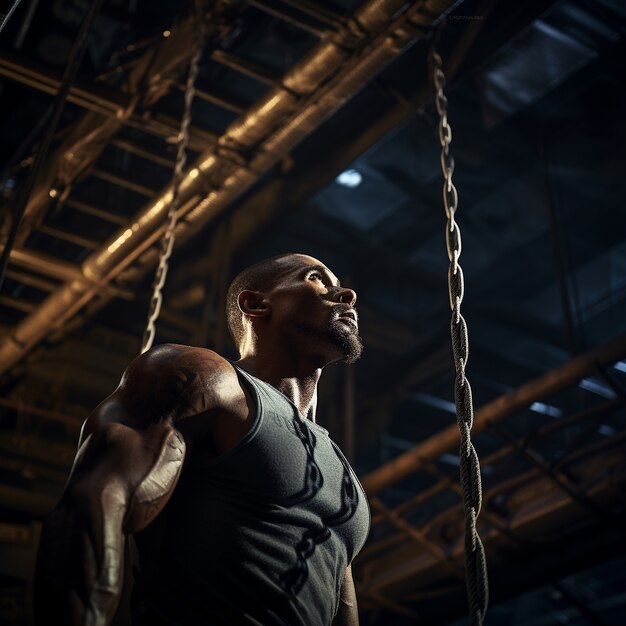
(314, 129)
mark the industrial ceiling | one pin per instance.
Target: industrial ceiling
(314, 130)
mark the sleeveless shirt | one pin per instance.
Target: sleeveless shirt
(260, 535)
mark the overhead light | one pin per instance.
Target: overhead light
(167, 33)
(349, 178)
(546, 409)
(607, 431)
(451, 459)
(53, 193)
(438, 403)
(589, 384)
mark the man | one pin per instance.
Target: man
(243, 510)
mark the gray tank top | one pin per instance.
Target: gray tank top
(259, 535)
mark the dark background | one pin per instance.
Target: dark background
(536, 100)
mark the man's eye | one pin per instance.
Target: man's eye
(315, 275)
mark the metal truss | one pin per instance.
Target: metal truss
(530, 497)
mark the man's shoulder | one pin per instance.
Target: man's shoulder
(168, 351)
(175, 359)
(181, 380)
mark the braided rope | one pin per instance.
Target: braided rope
(475, 562)
(167, 242)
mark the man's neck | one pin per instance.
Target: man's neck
(296, 379)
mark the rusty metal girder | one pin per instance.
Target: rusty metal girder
(52, 267)
(311, 91)
(148, 80)
(44, 264)
(496, 410)
(25, 501)
(540, 522)
(35, 448)
(55, 416)
(98, 98)
(532, 512)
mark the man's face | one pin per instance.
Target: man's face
(316, 313)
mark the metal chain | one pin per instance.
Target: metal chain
(167, 242)
(475, 562)
(4, 17)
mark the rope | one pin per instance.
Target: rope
(471, 489)
(167, 243)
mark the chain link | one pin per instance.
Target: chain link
(475, 563)
(167, 242)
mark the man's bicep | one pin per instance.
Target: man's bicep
(140, 466)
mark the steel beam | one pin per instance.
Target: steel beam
(25, 306)
(64, 235)
(101, 99)
(537, 509)
(120, 181)
(97, 97)
(43, 264)
(219, 101)
(299, 22)
(449, 482)
(55, 416)
(31, 280)
(245, 66)
(317, 11)
(147, 81)
(296, 186)
(34, 448)
(419, 536)
(168, 127)
(95, 212)
(494, 411)
(310, 93)
(32, 471)
(25, 501)
(128, 146)
(54, 267)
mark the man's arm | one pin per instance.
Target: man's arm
(348, 614)
(122, 477)
(130, 456)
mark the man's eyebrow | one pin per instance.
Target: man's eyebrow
(323, 270)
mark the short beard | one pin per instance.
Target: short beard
(348, 342)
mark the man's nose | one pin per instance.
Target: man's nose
(346, 296)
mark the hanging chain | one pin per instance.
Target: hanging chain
(167, 242)
(475, 562)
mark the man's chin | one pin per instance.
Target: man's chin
(353, 356)
(347, 341)
(344, 341)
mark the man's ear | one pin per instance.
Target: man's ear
(253, 303)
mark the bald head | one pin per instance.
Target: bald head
(261, 276)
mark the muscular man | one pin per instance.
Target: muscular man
(243, 510)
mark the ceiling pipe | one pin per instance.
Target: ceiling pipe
(312, 91)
